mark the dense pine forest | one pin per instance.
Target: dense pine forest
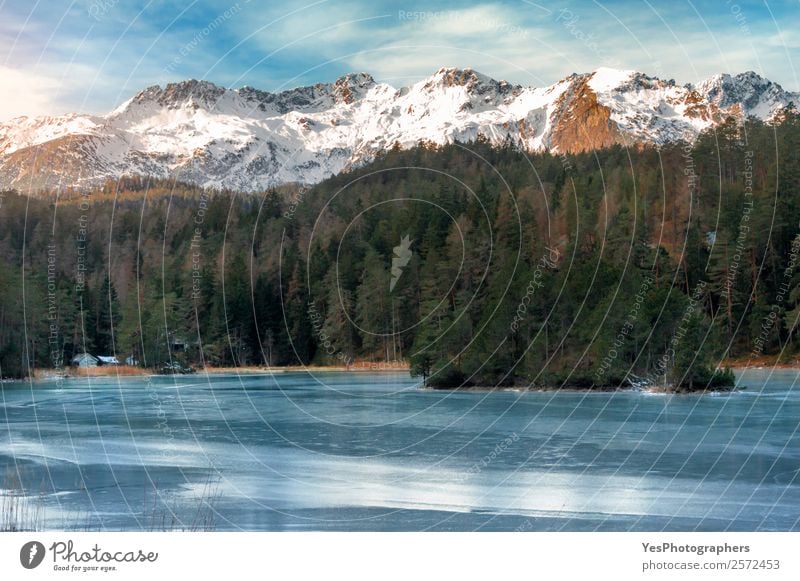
(477, 265)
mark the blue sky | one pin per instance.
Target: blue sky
(90, 55)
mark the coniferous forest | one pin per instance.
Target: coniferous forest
(478, 266)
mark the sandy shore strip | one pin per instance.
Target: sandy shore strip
(130, 371)
(366, 368)
(765, 361)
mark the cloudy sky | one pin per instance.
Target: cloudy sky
(90, 55)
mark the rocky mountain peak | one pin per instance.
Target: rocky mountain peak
(192, 91)
(249, 139)
(351, 87)
(751, 91)
(474, 82)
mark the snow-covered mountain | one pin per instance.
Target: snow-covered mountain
(249, 139)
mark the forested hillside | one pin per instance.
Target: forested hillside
(479, 265)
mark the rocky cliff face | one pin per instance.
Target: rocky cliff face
(582, 123)
(247, 139)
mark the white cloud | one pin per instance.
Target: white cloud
(27, 93)
(534, 48)
(789, 38)
(284, 45)
(409, 45)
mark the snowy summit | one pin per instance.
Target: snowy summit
(247, 139)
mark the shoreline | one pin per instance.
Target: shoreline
(377, 368)
(738, 365)
(764, 361)
(129, 371)
(654, 389)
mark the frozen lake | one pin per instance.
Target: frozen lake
(336, 451)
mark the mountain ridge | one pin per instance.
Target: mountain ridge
(248, 139)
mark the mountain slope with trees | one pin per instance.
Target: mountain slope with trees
(588, 270)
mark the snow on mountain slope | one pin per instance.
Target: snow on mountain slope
(248, 139)
(656, 111)
(755, 95)
(26, 132)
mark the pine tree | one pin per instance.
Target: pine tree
(373, 313)
(107, 319)
(337, 325)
